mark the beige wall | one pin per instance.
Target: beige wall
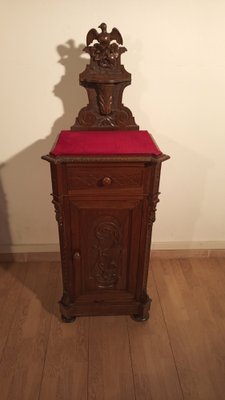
(176, 54)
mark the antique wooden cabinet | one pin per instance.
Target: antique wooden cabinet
(105, 178)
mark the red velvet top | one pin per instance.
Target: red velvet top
(105, 143)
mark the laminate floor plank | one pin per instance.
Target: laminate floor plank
(155, 374)
(193, 328)
(212, 319)
(66, 365)
(24, 352)
(110, 371)
(178, 354)
(12, 278)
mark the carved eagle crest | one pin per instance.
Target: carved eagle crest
(106, 50)
(104, 38)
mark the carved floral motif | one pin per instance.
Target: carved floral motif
(108, 248)
(154, 197)
(153, 200)
(117, 119)
(105, 98)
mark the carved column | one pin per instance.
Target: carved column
(63, 251)
(153, 199)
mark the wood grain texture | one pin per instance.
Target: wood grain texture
(178, 354)
(105, 234)
(24, 352)
(12, 278)
(105, 80)
(110, 370)
(66, 365)
(192, 298)
(155, 375)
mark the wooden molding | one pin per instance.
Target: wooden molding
(188, 253)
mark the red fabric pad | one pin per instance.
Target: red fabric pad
(105, 143)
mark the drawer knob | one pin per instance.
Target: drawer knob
(106, 181)
(76, 255)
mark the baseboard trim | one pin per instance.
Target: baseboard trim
(188, 253)
(30, 257)
(198, 245)
(155, 254)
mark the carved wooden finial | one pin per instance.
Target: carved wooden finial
(104, 53)
(104, 79)
(104, 37)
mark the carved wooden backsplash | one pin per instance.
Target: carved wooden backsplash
(105, 80)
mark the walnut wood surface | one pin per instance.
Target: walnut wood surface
(105, 206)
(105, 234)
(105, 80)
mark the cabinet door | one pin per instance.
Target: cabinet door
(105, 247)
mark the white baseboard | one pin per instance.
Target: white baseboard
(169, 250)
(204, 245)
(54, 247)
(29, 248)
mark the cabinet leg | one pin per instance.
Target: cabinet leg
(67, 320)
(64, 311)
(143, 314)
(140, 318)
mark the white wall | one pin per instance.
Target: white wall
(176, 54)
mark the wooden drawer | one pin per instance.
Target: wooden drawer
(105, 178)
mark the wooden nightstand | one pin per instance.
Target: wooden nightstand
(105, 178)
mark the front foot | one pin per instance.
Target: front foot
(68, 320)
(140, 318)
(143, 314)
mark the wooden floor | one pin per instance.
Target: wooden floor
(178, 354)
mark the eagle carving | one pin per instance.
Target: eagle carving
(104, 38)
(107, 49)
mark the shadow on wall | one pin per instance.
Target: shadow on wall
(189, 166)
(25, 179)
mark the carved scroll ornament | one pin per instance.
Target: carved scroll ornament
(108, 245)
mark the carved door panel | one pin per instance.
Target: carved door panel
(105, 248)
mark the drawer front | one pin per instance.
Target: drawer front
(104, 178)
